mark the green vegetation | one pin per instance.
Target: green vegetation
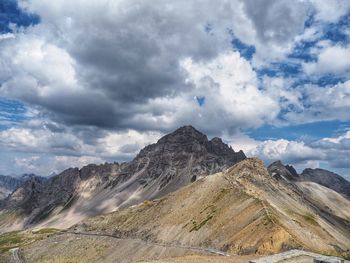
(46, 231)
(21, 238)
(10, 240)
(347, 257)
(196, 226)
(310, 218)
(147, 203)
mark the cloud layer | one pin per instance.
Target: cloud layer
(101, 79)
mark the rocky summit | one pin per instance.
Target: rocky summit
(183, 156)
(182, 196)
(280, 171)
(176, 160)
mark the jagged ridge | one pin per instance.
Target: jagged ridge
(176, 160)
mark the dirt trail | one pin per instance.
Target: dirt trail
(200, 249)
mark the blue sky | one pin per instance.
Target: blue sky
(271, 78)
(11, 14)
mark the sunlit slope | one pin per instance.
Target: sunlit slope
(243, 210)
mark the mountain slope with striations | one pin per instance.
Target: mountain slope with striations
(326, 190)
(243, 210)
(327, 179)
(176, 160)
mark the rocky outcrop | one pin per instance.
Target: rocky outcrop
(280, 171)
(182, 156)
(37, 196)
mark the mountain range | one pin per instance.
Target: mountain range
(10, 183)
(184, 194)
(174, 161)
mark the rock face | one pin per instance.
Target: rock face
(327, 179)
(9, 183)
(37, 196)
(176, 160)
(182, 156)
(280, 171)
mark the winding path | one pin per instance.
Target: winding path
(200, 249)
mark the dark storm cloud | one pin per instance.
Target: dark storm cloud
(123, 60)
(123, 57)
(84, 109)
(134, 56)
(276, 21)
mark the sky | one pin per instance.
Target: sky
(94, 81)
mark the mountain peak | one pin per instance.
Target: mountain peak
(278, 162)
(187, 128)
(327, 178)
(216, 140)
(182, 156)
(176, 160)
(184, 134)
(190, 140)
(278, 170)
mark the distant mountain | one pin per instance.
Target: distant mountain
(8, 184)
(280, 171)
(320, 176)
(176, 160)
(328, 179)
